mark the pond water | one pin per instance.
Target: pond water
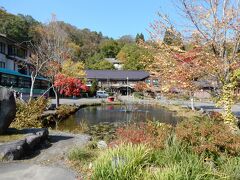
(117, 114)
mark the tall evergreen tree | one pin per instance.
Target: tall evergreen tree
(139, 37)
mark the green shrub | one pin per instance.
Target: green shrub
(65, 110)
(125, 162)
(184, 155)
(110, 93)
(138, 95)
(28, 114)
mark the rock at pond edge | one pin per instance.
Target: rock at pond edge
(7, 108)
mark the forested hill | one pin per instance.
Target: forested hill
(91, 47)
(19, 27)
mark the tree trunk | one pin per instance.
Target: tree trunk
(56, 96)
(31, 88)
(192, 101)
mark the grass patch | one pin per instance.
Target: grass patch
(178, 162)
(80, 154)
(11, 137)
(80, 159)
(125, 162)
(175, 162)
(182, 112)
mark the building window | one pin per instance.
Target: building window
(12, 50)
(2, 65)
(2, 48)
(16, 51)
(8, 80)
(22, 53)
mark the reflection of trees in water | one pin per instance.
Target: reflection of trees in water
(125, 113)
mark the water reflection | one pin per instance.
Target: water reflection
(118, 114)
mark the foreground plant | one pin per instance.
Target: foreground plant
(28, 114)
(179, 162)
(153, 134)
(125, 162)
(81, 159)
(209, 136)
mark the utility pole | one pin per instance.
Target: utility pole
(127, 88)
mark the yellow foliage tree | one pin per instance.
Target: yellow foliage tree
(73, 69)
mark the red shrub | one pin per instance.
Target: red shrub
(209, 136)
(150, 133)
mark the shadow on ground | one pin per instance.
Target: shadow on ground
(45, 145)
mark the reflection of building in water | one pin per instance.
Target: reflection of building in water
(115, 114)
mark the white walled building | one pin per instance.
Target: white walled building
(116, 63)
(13, 56)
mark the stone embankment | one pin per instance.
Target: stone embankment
(18, 149)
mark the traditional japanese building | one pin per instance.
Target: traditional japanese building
(119, 80)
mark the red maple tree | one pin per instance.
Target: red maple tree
(70, 86)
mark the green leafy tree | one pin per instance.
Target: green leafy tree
(87, 40)
(18, 27)
(93, 88)
(102, 65)
(92, 60)
(109, 48)
(133, 57)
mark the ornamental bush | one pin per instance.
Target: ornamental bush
(28, 114)
(154, 134)
(209, 136)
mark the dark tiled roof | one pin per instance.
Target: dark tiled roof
(116, 75)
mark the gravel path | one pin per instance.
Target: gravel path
(26, 171)
(47, 163)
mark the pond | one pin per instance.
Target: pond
(94, 116)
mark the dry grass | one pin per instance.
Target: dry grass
(182, 112)
(11, 137)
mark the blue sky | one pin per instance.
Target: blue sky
(113, 18)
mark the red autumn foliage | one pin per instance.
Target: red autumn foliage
(141, 87)
(69, 86)
(187, 57)
(135, 136)
(209, 136)
(145, 133)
